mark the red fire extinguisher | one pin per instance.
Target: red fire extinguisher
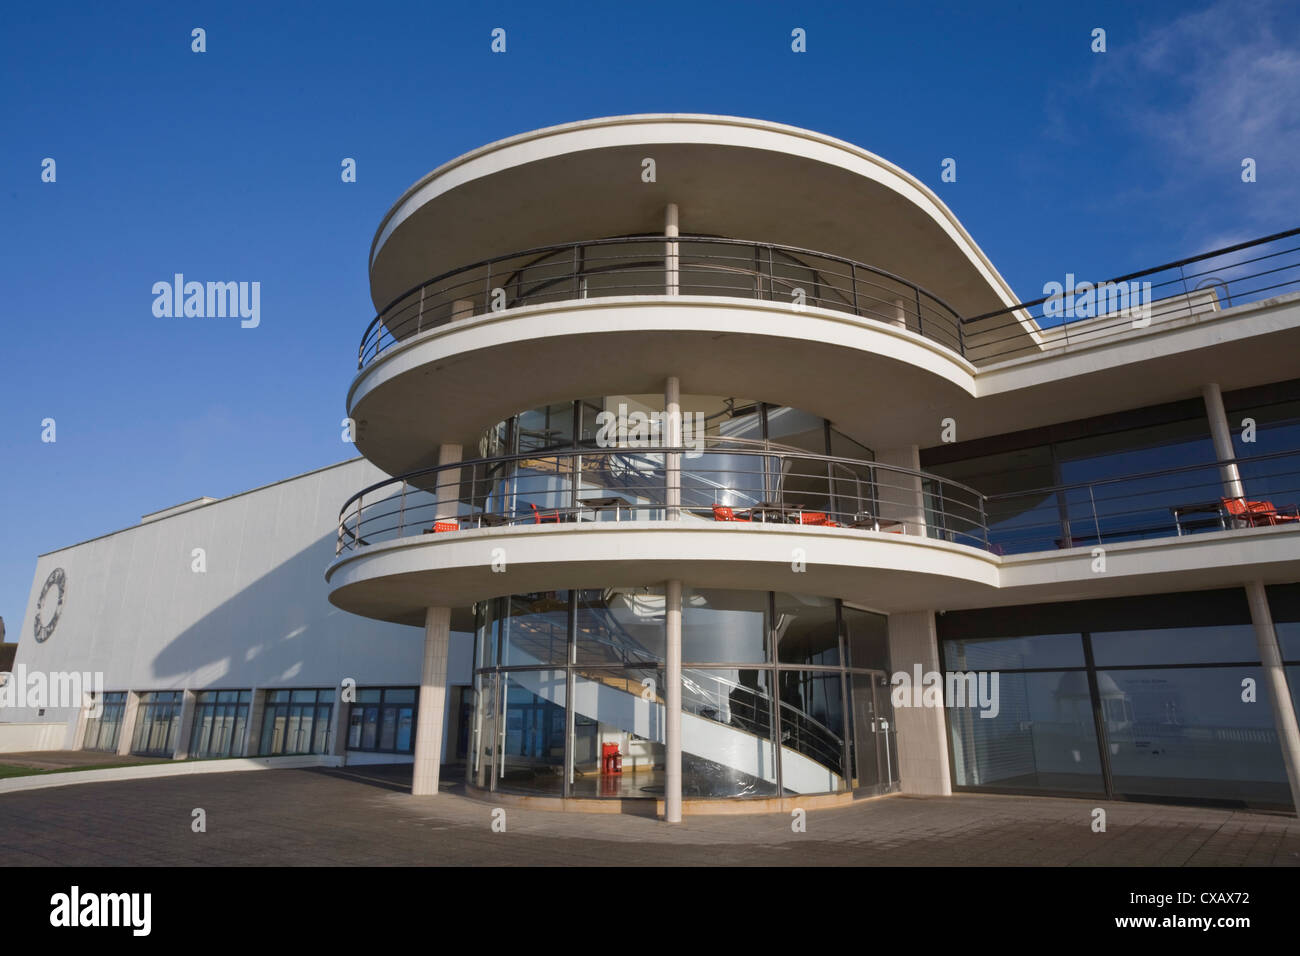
(611, 759)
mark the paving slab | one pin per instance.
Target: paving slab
(363, 816)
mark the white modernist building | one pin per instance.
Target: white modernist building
(709, 459)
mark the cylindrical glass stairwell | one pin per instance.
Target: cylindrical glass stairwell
(781, 694)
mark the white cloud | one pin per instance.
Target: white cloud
(1232, 74)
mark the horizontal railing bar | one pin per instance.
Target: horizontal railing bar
(1146, 272)
(1008, 495)
(780, 273)
(785, 453)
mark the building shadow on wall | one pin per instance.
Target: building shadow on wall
(282, 630)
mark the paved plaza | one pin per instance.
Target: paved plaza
(366, 816)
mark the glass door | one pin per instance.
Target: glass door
(875, 751)
(866, 767)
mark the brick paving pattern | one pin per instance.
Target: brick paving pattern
(366, 816)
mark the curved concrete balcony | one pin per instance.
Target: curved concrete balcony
(722, 513)
(727, 175)
(828, 335)
(732, 514)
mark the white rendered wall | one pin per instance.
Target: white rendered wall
(257, 617)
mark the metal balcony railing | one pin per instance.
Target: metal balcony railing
(1170, 502)
(723, 480)
(660, 265)
(1082, 312)
(740, 482)
(699, 265)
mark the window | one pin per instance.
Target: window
(1055, 487)
(102, 732)
(220, 717)
(383, 720)
(157, 722)
(1145, 700)
(763, 692)
(297, 722)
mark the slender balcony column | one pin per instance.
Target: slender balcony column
(448, 489)
(900, 314)
(671, 271)
(672, 436)
(1222, 435)
(673, 703)
(902, 498)
(433, 701)
(1270, 657)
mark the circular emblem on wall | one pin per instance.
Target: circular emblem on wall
(50, 603)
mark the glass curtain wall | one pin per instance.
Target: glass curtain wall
(626, 478)
(1051, 488)
(219, 720)
(157, 722)
(1267, 425)
(1159, 697)
(103, 732)
(767, 698)
(383, 720)
(297, 722)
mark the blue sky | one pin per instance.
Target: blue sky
(225, 165)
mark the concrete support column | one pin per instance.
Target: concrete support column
(1221, 433)
(673, 439)
(673, 703)
(252, 742)
(1270, 656)
(902, 499)
(127, 732)
(448, 487)
(78, 739)
(339, 730)
(433, 701)
(922, 731)
(900, 314)
(189, 702)
(671, 261)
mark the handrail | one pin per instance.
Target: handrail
(1086, 312)
(1176, 264)
(874, 497)
(1177, 469)
(566, 271)
(762, 449)
(847, 285)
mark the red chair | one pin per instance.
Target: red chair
(816, 518)
(723, 513)
(1259, 514)
(443, 526)
(544, 517)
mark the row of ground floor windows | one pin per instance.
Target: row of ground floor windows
(1154, 697)
(381, 720)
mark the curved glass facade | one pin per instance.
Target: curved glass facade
(632, 422)
(781, 694)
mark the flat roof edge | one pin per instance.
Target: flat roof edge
(214, 501)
